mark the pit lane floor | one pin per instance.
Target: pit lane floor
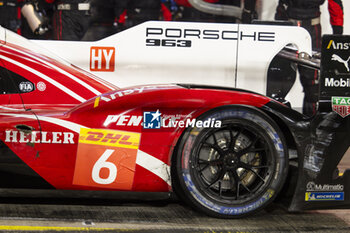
(164, 216)
(95, 215)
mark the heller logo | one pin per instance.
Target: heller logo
(152, 120)
(39, 137)
(102, 59)
(341, 105)
(338, 46)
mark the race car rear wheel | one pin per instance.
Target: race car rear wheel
(235, 169)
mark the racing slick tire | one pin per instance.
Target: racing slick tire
(235, 169)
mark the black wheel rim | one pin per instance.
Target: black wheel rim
(234, 164)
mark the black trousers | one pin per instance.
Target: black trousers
(309, 77)
(70, 24)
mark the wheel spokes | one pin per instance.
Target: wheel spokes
(237, 181)
(220, 188)
(219, 177)
(215, 147)
(233, 162)
(250, 148)
(215, 140)
(233, 139)
(203, 168)
(215, 162)
(250, 168)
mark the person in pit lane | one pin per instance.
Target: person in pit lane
(306, 14)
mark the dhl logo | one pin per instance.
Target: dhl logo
(116, 138)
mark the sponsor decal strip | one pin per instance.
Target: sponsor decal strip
(97, 79)
(338, 45)
(324, 196)
(11, 109)
(154, 120)
(330, 44)
(337, 58)
(102, 59)
(312, 186)
(154, 165)
(55, 137)
(97, 101)
(111, 138)
(48, 79)
(341, 105)
(331, 82)
(93, 90)
(106, 158)
(143, 159)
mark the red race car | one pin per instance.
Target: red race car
(224, 151)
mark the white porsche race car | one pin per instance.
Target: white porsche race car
(230, 55)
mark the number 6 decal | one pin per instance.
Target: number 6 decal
(106, 159)
(103, 163)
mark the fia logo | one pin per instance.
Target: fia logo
(152, 120)
(102, 59)
(26, 87)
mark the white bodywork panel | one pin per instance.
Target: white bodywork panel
(230, 55)
(254, 58)
(2, 35)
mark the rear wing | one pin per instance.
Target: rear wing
(334, 92)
